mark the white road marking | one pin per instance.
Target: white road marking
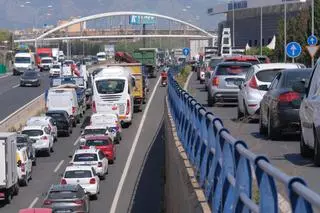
(15, 86)
(35, 200)
(58, 166)
(4, 76)
(77, 141)
(187, 82)
(133, 148)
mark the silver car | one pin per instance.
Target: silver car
(225, 81)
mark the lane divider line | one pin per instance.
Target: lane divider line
(4, 76)
(133, 148)
(58, 166)
(15, 86)
(77, 141)
(33, 203)
(187, 82)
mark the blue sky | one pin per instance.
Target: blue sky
(35, 12)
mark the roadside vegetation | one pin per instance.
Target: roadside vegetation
(181, 78)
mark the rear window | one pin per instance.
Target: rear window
(78, 174)
(33, 132)
(56, 66)
(30, 74)
(94, 131)
(110, 86)
(85, 157)
(46, 61)
(62, 195)
(55, 115)
(293, 77)
(232, 70)
(251, 61)
(214, 62)
(21, 140)
(97, 142)
(267, 75)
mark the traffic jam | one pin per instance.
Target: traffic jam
(110, 95)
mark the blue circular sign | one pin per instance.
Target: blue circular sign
(312, 40)
(186, 51)
(293, 49)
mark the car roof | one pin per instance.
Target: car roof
(46, 58)
(234, 63)
(297, 70)
(241, 58)
(276, 66)
(22, 135)
(31, 127)
(64, 187)
(105, 114)
(39, 118)
(56, 111)
(97, 137)
(96, 127)
(74, 168)
(84, 151)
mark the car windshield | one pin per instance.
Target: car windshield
(267, 75)
(46, 61)
(110, 86)
(78, 174)
(20, 60)
(42, 55)
(293, 77)
(30, 74)
(85, 157)
(56, 116)
(62, 195)
(232, 70)
(97, 142)
(56, 66)
(101, 56)
(32, 132)
(94, 131)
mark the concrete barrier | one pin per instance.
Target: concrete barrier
(182, 191)
(17, 119)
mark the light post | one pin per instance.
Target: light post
(233, 25)
(312, 28)
(285, 30)
(261, 29)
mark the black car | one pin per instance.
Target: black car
(62, 120)
(279, 108)
(30, 78)
(23, 140)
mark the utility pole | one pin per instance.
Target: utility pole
(143, 33)
(312, 28)
(285, 30)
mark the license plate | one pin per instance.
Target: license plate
(28, 84)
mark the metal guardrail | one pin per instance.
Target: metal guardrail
(225, 167)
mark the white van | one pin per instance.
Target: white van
(64, 99)
(46, 63)
(112, 93)
(24, 166)
(22, 62)
(102, 56)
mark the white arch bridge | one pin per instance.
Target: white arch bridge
(50, 35)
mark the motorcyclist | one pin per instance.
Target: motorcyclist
(164, 76)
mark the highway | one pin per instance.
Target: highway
(12, 96)
(285, 154)
(133, 144)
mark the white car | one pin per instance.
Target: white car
(92, 157)
(24, 166)
(250, 96)
(55, 71)
(98, 130)
(46, 63)
(44, 121)
(42, 137)
(85, 176)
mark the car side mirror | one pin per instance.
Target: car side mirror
(299, 86)
(263, 87)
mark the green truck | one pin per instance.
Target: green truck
(148, 58)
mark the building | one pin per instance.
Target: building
(247, 22)
(76, 28)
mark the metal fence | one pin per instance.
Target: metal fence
(226, 168)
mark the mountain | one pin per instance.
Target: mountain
(22, 14)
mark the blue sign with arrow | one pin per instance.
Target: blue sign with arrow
(293, 49)
(312, 40)
(186, 51)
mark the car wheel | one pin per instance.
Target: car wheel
(94, 197)
(273, 133)
(262, 129)
(78, 120)
(51, 149)
(67, 134)
(305, 151)
(201, 81)
(103, 177)
(48, 152)
(34, 163)
(239, 113)
(74, 124)
(16, 189)
(316, 156)
(210, 100)
(8, 197)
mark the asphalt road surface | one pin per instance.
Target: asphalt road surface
(285, 153)
(49, 169)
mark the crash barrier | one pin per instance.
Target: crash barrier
(16, 120)
(224, 166)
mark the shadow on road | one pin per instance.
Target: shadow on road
(298, 160)
(149, 190)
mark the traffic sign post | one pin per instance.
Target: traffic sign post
(186, 51)
(312, 40)
(293, 50)
(312, 48)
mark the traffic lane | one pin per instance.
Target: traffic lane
(15, 98)
(7, 82)
(284, 153)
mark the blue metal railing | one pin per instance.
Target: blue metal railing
(226, 168)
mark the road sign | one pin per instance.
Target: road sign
(186, 51)
(312, 50)
(312, 40)
(293, 49)
(137, 20)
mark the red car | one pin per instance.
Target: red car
(36, 210)
(243, 58)
(103, 143)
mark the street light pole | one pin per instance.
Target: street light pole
(285, 30)
(233, 23)
(261, 30)
(312, 28)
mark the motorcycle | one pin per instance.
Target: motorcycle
(164, 81)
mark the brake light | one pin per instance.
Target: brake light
(63, 182)
(79, 202)
(92, 181)
(215, 81)
(44, 138)
(47, 202)
(100, 164)
(74, 110)
(289, 96)
(94, 109)
(23, 167)
(253, 83)
(128, 107)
